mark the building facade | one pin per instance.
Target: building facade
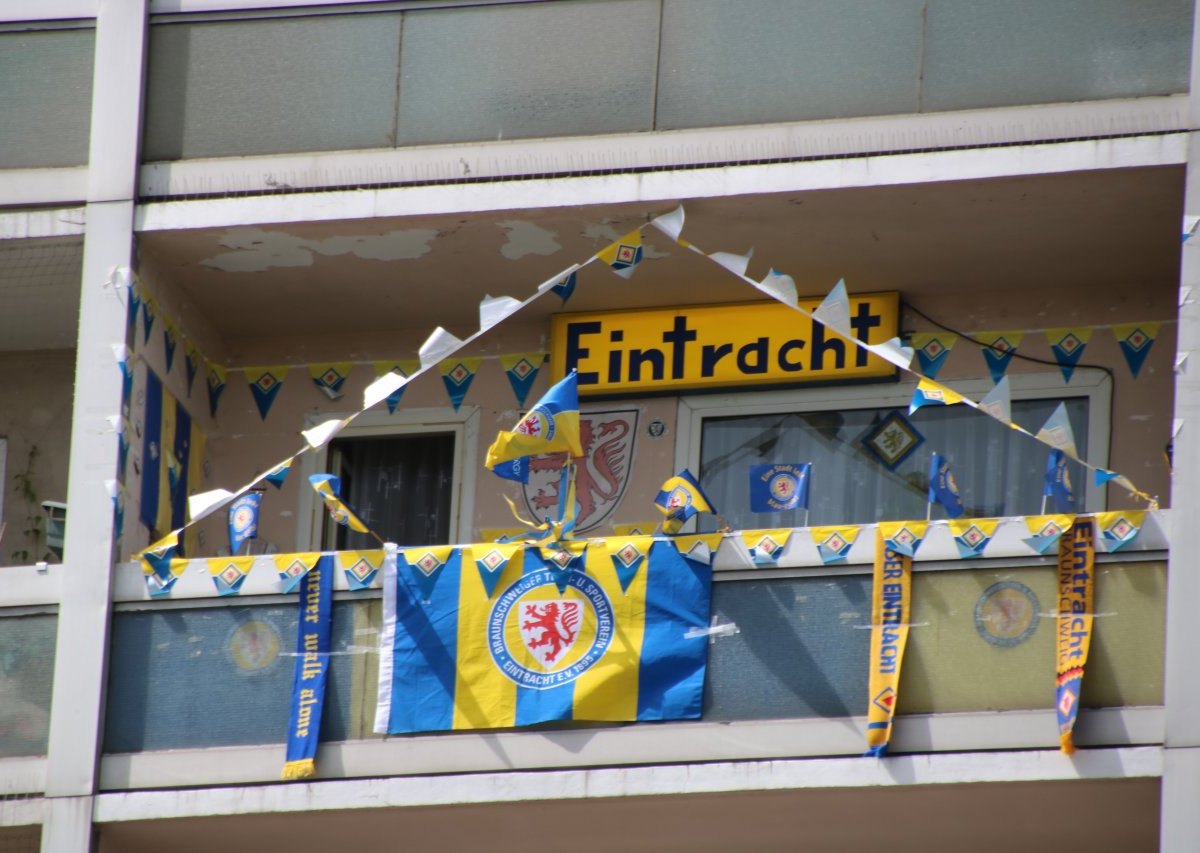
(223, 220)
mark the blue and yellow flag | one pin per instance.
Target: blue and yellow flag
(891, 602)
(535, 651)
(243, 519)
(779, 487)
(329, 488)
(624, 254)
(172, 459)
(1057, 483)
(943, 489)
(551, 425)
(680, 498)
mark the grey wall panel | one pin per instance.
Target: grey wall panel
(45, 97)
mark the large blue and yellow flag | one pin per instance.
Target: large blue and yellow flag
(551, 425)
(172, 460)
(557, 638)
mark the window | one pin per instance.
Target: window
(409, 476)
(998, 471)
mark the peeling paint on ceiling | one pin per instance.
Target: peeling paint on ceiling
(255, 250)
(604, 231)
(525, 238)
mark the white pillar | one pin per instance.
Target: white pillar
(1180, 820)
(77, 707)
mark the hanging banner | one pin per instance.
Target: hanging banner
(716, 346)
(172, 458)
(534, 652)
(891, 595)
(1076, 595)
(312, 670)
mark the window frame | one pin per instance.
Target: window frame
(463, 424)
(1094, 385)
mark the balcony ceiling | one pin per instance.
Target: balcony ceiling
(937, 243)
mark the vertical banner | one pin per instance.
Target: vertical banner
(890, 602)
(312, 670)
(1076, 595)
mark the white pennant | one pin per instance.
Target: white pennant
(202, 504)
(1057, 432)
(671, 223)
(737, 264)
(496, 309)
(998, 402)
(382, 388)
(834, 311)
(319, 435)
(438, 346)
(894, 351)
(779, 286)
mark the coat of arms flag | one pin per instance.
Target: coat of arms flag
(552, 639)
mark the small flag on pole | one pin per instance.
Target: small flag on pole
(243, 520)
(779, 487)
(943, 489)
(1058, 483)
(681, 498)
(329, 488)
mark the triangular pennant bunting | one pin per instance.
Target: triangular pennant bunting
(834, 543)
(638, 528)
(149, 310)
(1057, 432)
(492, 560)
(427, 564)
(229, 573)
(522, 369)
(697, 548)
(623, 255)
(932, 349)
(1068, 346)
(133, 304)
(834, 310)
(330, 377)
(1046, 530)
(1135, 340)
(277, 475)
(265, 383)
(170, 339)
(293, 567)
(216, 377)
(160, 567)
(903, 537)
(998, 402)
(191, 362)
(457, 374)
(401, 368)
(972, 535)
(360, 567)
(561, 559)
(1120, 527)
(930, 393)
(998, 350)
(565, 286)
(628, 555)
(766, 546)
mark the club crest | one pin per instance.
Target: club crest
(541, 638)
(602, 472)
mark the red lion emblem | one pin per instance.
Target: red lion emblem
(606, 447)
(558, 624)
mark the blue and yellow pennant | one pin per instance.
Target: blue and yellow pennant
(265, 383)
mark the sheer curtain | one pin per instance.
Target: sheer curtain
(399, 485)
(998, 471)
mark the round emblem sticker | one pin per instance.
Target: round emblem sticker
(254, 646)
(1007, 613)
(243, 517)
(783, 486)
(542, 638)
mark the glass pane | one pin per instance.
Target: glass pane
(984, 53)
(26, 681)
(399, 485)
(515, 72)
(998, 471)
(222, 676)
(749, 61)
(45, 97)
(267, 87)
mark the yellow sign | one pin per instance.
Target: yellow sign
(713, 346)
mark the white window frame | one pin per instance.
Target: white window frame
(1094, 385)
(463, 424)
